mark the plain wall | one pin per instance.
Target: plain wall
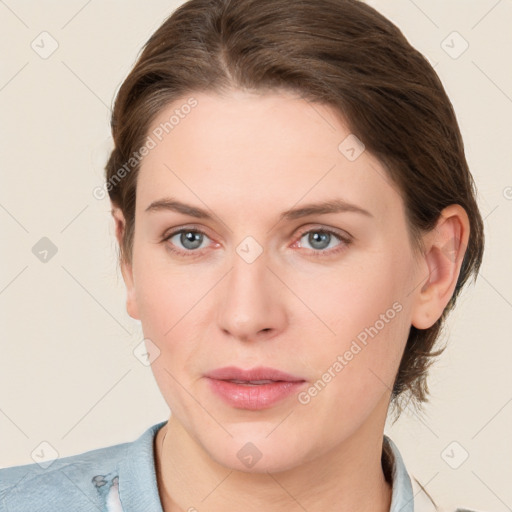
(67, 372)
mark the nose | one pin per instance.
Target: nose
(251, 304)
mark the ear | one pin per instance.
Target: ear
(441, 262)
(126, 267)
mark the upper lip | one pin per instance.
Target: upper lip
(253, 374)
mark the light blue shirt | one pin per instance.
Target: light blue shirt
(122, 478)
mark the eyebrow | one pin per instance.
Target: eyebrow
(320, 208)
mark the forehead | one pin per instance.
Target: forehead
(243, 148)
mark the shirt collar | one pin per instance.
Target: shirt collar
(138, 488)
(402, 498)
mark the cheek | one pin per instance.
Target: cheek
(174, 305)
(352, 298)
(367, 312)
(355, 371)
(166, 293)
(168, 302)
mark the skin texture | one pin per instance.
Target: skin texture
(246, 158)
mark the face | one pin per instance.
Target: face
(222, 276)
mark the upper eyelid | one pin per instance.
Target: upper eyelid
(334, 231)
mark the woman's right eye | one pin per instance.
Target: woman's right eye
(185, 240)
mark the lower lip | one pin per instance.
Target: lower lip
(255, 397)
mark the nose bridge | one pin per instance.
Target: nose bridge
(250, 303)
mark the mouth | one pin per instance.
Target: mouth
(254, 389)
(259, 375)
(253, 382)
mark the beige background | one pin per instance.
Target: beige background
(68, 375)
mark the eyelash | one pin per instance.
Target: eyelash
(345, 241)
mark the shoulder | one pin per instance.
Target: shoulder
(64, 484)
(408, 494)
(424, 503)
(82, 482)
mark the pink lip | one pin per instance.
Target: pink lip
(255, 396)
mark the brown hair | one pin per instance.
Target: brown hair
(342, 53)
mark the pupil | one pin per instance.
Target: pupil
(319, 240)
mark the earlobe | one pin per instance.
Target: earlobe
(445, 247)
(126, 267)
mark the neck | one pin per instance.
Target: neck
(347, 478)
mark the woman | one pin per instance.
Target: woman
(296, 218)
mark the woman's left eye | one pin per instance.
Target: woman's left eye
(323, 240)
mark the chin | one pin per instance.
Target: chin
(251, 451)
